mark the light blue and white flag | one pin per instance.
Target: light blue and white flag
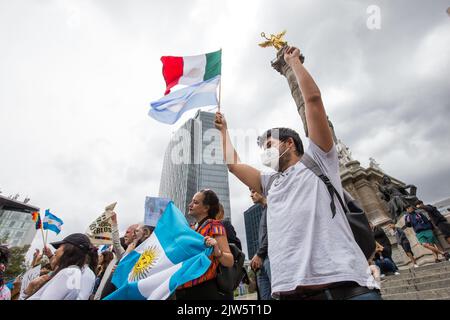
(52, 222)
(170, 108)
(173, 255)
(105, 247)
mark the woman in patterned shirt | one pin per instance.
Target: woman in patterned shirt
(204, 208)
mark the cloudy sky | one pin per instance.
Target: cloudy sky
(77, 77)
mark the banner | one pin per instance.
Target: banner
(29, 276)
(154, 208)
(100, 231)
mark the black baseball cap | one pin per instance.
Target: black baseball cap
(79, 240)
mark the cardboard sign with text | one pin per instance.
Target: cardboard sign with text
(100, 231)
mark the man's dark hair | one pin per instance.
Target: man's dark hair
(418, 202)
(108, 256)
(92, 259)
(282, 134)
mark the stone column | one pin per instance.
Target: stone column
(284, 69)
(356, 180)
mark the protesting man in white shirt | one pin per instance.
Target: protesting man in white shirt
(312, 251)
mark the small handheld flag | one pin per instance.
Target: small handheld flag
(37, 218)
(52, 222)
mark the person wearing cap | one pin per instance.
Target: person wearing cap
(88, 272)
(64, 282)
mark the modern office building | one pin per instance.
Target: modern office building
(194, 161)
(16, 222)
(252, 216)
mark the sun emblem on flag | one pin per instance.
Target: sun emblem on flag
(146, 262)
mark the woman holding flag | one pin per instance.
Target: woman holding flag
(204, 207)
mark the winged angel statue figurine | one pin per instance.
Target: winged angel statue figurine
(275, 41)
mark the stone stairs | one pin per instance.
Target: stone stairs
(429, 282)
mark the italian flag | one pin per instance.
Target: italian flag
(191, 70)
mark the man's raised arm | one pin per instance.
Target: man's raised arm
(247, 174)
(316, 117)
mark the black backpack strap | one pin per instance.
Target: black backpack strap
(309, 163)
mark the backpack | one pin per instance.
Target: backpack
(356, 216)
(229, 278)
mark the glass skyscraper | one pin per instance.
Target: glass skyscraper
(194, 161)
(252, 217)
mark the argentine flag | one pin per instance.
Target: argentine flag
(170, 108)
(52, 222)
(173, 255)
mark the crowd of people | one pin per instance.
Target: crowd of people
(424, 219)
(306, 248)
(76, 270)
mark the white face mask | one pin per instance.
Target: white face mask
(271, 157)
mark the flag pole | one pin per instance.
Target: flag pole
(46, 230)
(46, 237)
(220, 83)
(42, 232)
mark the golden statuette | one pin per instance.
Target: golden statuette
(275, 41)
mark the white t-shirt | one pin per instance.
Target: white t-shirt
(87, 283)
(64, 286)
(5, 293)
(306, 245)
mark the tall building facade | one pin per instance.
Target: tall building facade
(16, 222)
(252, 217)
(194, 161)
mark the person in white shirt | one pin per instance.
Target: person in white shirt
(313, 253)
(65, 282)
(88, 275)
(87, 283)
